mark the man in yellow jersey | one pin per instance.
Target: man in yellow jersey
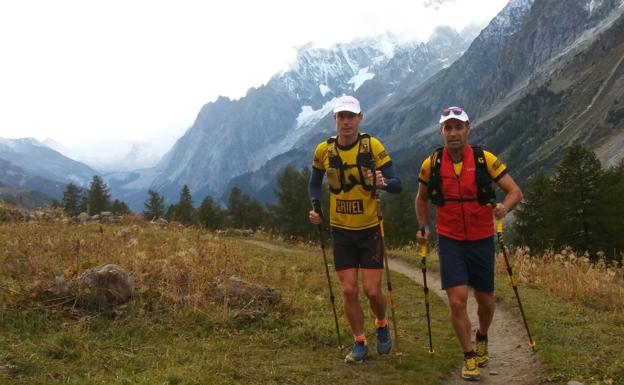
(458, 180)
(348, 158)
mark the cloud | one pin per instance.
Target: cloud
(436, 4)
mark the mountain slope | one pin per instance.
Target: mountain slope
(37, 159)
(16, 181)
(233, 137)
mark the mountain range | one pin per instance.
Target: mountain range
(542, 75)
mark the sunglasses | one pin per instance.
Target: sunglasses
(454, 110)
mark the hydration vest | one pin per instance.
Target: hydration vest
(462, 213)
(336, 177)
(485, 191)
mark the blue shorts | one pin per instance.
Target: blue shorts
(467, 263)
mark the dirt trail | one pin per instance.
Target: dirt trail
(511, 359)
(510, 355)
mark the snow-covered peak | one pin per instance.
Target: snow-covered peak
(505, 23)
(20, 143)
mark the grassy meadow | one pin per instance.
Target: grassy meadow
(176, 330)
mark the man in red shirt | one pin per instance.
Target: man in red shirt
(457, 178)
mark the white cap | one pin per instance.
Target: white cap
(453, 113)
(347, 103)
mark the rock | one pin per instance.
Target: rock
(162, 222)
(493, 373)
(241, 292)
(124, 232)
(106, 288)
(574, 383)
(83, 217)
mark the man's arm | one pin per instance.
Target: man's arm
(315, 192)
(393, 183)
(513, 196)
(423, 212)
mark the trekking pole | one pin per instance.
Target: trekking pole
(512, 279)
(317, 209)
(375, 194)
(423, 263)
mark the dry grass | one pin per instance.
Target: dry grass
(569, 276)
(176, 330)
(174, 267)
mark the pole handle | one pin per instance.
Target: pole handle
(499, 226)
(423, 247)
(316, 206)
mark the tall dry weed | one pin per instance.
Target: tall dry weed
(571, 276)
(172, 266)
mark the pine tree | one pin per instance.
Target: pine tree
(210, 215)
(120, 207)
(535, 216)
(185, 212)
(290, 215)
(171, 213)
(98, 196)
(576, 184)
(399, 216)
(154, 205)
(243, 211)
(612, 212)
(73, 200)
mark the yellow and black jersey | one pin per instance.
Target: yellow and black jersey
(351, 206)
(496, 169)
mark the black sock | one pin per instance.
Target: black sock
(481, 337)
(469, 354)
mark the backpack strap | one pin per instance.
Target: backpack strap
(485, 190)
(365, 160)
(434, 187)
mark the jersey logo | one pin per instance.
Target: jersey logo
(355, 206)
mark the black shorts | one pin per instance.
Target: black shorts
(467, 263)
(357, 249)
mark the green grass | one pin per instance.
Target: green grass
(574, 341)
(165, 341)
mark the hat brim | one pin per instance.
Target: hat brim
(462, 118)
(347, 108)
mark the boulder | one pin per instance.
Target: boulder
(106, 288)
(83, 217)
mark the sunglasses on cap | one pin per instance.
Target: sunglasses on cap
(454, 110)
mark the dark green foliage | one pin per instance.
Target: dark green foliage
(244, 211)
(290, 215)
(73, 200)
(576, 187)
(154, 205)
(535, 222)
(615, 117)
(98, 197)
(399, 216)
(185, 212)
(210, 215)
(120, 207)
(580, 206)
(611, 212)
(170, 214)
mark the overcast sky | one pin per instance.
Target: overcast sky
(96, 71)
